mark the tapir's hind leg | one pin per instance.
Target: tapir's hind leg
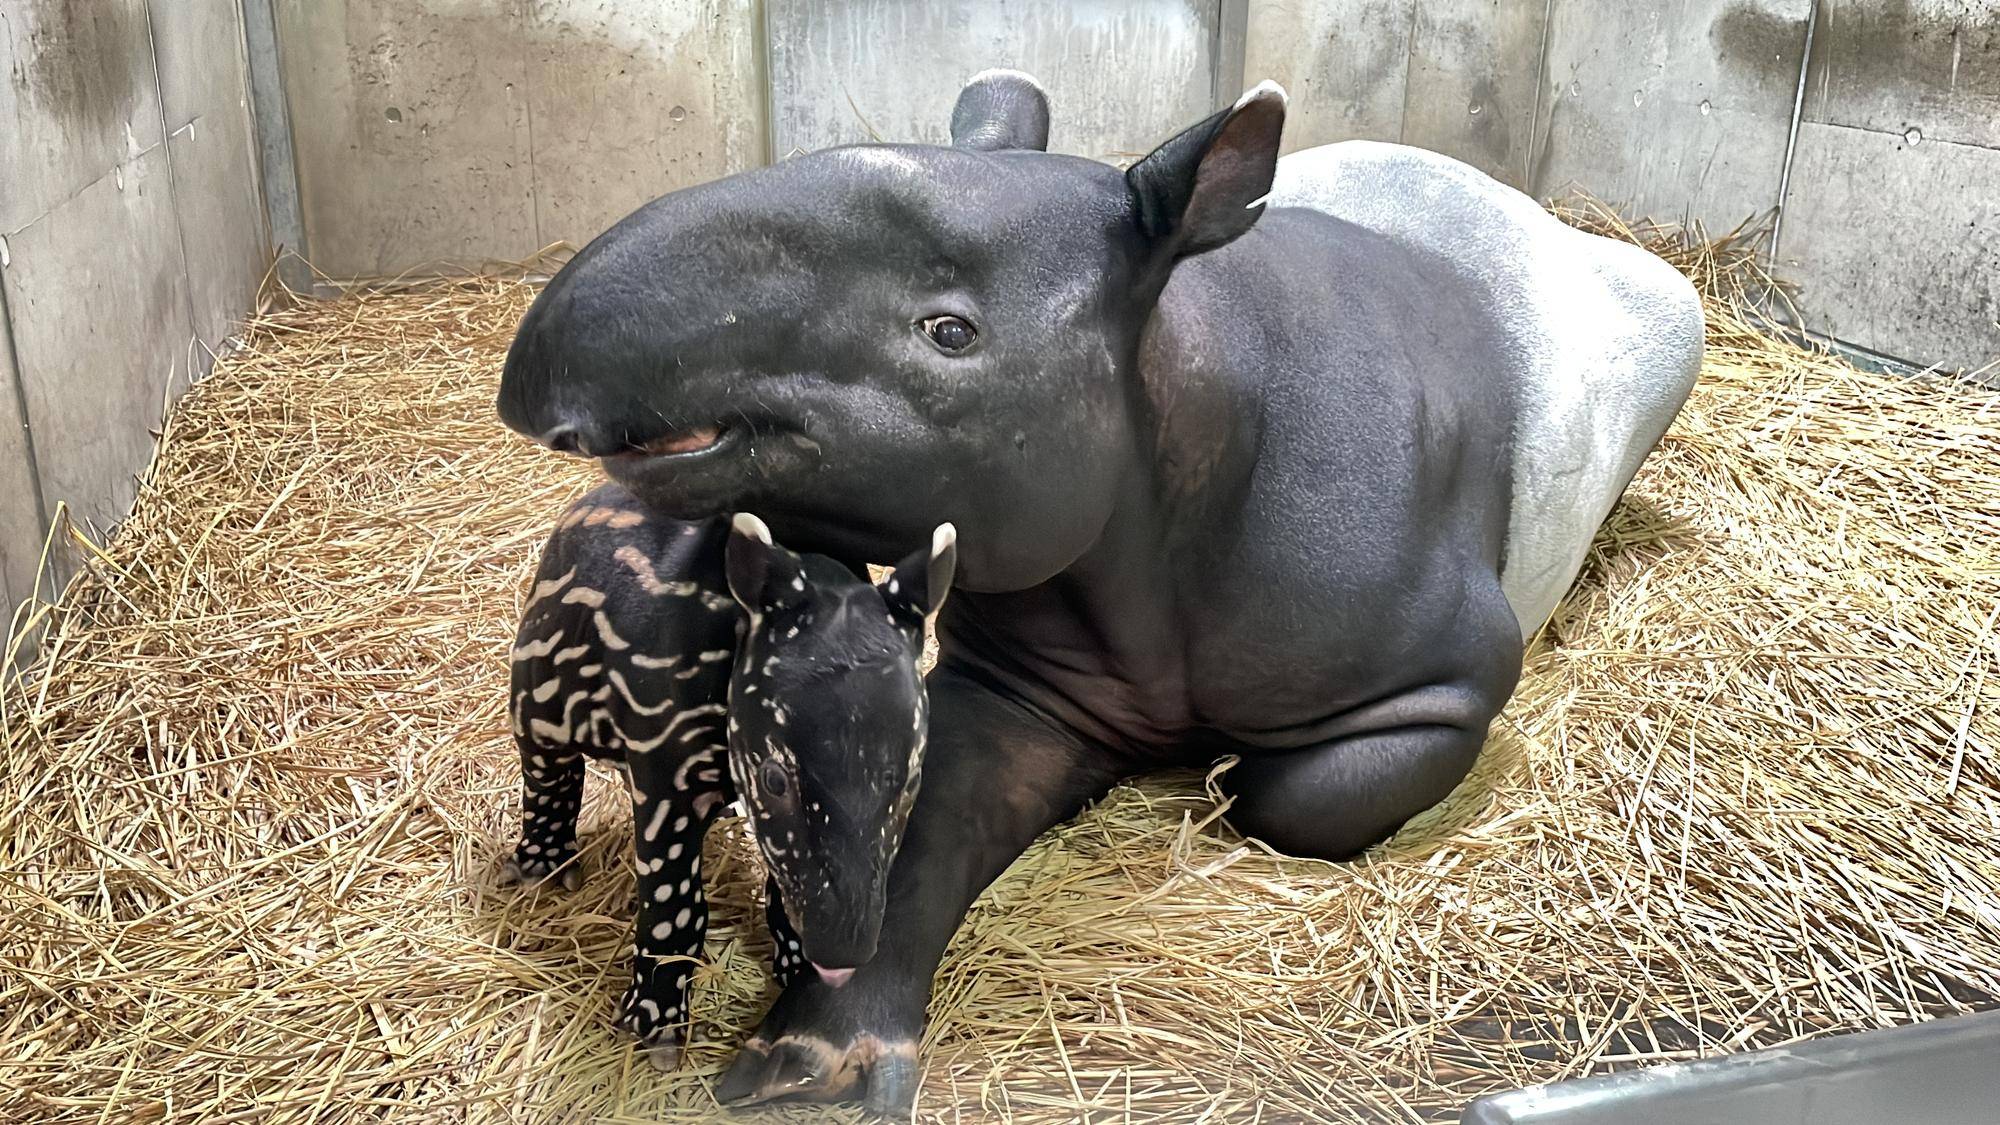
(1332, 800)
(995, 777)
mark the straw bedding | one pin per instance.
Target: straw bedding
(253, 796)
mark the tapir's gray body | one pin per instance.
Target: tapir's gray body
(1599, 341)
(1274, 458)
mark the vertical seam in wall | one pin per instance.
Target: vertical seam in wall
(174, 207)
(528, 107)
(277, 161)
(1409, 64)
(1229, 53)
(1792, 137)
(21, 404)
(767, 93)
(1541, 84)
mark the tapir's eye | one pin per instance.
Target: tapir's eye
(775, 780)
(953, 334)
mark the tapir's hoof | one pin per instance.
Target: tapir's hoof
(881, 1076)
(539, 874)
(664, 1052)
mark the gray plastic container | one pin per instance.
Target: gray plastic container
(1945, 1072)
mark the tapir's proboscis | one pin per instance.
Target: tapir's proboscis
(800, 694)
(1280, 459)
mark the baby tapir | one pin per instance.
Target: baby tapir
(630, 650)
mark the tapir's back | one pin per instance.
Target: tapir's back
(1603, 340)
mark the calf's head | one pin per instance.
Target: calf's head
(863, 342)
(827, 723)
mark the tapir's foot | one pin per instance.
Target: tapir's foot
(812, 1049)
(550, 869)
(657, 1028)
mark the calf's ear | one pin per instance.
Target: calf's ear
(1000, 109)
(1205, 187)
(762, 575)
(915, 590)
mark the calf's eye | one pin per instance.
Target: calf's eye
(950, 333)
(774, 779)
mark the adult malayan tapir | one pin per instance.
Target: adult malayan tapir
(1274, 458)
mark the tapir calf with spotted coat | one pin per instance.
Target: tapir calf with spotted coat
(713, 663)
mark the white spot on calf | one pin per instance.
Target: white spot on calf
(659, 818)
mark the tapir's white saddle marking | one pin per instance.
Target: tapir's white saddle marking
(1603, 340)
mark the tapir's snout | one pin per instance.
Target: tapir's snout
(839, 931)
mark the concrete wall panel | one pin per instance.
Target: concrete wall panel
(78, 97)
(98, 304)
(1455, 76)
(1930, 297)
(1927, 68)
(412, 130)
(1122, 75)
(198, 47)
(1473, 80)
(1673, 109)
(634, 98)
(463, 131)
(221, 220)
(21, 526)
(1345, 63)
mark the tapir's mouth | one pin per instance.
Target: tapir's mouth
(691, 442)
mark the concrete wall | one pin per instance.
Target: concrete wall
(132, 242)
(889, 69)
(1685, 109)
(453, 132)
(459, 131)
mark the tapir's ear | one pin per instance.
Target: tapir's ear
(916, 588)
(1206, 186)
(1000, 109)
(762, 575)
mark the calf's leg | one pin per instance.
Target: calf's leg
(551, 797)
(676, 794)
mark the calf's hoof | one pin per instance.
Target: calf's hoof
(798, 1056)
(537, 872)
(655, 1026)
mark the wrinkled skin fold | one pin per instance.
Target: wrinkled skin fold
(1287, 478)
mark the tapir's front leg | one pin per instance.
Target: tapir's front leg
(675, 795)
(551, 797)
(995, 776)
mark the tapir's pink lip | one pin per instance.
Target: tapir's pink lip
(833, 977)
(694, 440)
(678, 447)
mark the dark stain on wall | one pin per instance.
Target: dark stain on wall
(1762, 44)
(1936, 52)
(74, 60)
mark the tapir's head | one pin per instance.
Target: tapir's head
(863, 342)
(827, 722)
